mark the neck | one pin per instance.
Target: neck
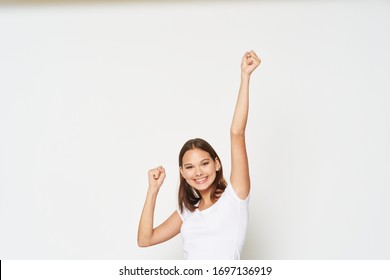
(205, 194)
(205, 197)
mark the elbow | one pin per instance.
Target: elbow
(237, 132)
(144, 239)
(237, 129)
(142, 242)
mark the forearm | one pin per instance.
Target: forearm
(145, 228)
(240, 115)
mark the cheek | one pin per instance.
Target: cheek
(211, 168)
(186, 173)
(214, 175)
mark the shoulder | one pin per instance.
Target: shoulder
(231, 193)
(183, 215)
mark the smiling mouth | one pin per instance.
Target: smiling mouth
(201, 180)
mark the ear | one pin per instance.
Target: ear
(217, 164)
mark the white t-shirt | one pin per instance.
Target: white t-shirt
(217, 232)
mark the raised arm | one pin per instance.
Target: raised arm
(147, 235)
(239, 176)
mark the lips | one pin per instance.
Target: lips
(201, 180)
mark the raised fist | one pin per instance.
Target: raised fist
(156, 178)
(250, 61)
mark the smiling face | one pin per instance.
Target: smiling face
(199, 169)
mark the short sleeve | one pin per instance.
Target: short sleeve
(183, 215)
(232, 194)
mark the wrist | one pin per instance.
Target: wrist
(245, 76)
(152, 191)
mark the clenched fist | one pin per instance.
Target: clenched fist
(249, 62)
(156, 178)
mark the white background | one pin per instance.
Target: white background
(93, 95)
(111, 269)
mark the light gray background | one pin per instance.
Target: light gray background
(94, 95)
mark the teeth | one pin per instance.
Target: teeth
(201, 180)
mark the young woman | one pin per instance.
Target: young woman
(212, 215)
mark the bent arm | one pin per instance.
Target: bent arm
(239, 176)
(147, 235)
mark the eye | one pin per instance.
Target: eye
(206, 163)
(188, 167)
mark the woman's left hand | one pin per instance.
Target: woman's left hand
(249, 63)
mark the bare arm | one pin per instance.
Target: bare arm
(147, 235)
(239, 176)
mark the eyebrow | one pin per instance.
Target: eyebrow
(200, 161)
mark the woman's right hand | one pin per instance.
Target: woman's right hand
(156, 178)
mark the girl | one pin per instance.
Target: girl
(212, 215)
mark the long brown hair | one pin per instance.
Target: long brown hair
(188, 197)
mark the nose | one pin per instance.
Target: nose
(198, 171)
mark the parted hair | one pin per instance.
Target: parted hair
(188, 197)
